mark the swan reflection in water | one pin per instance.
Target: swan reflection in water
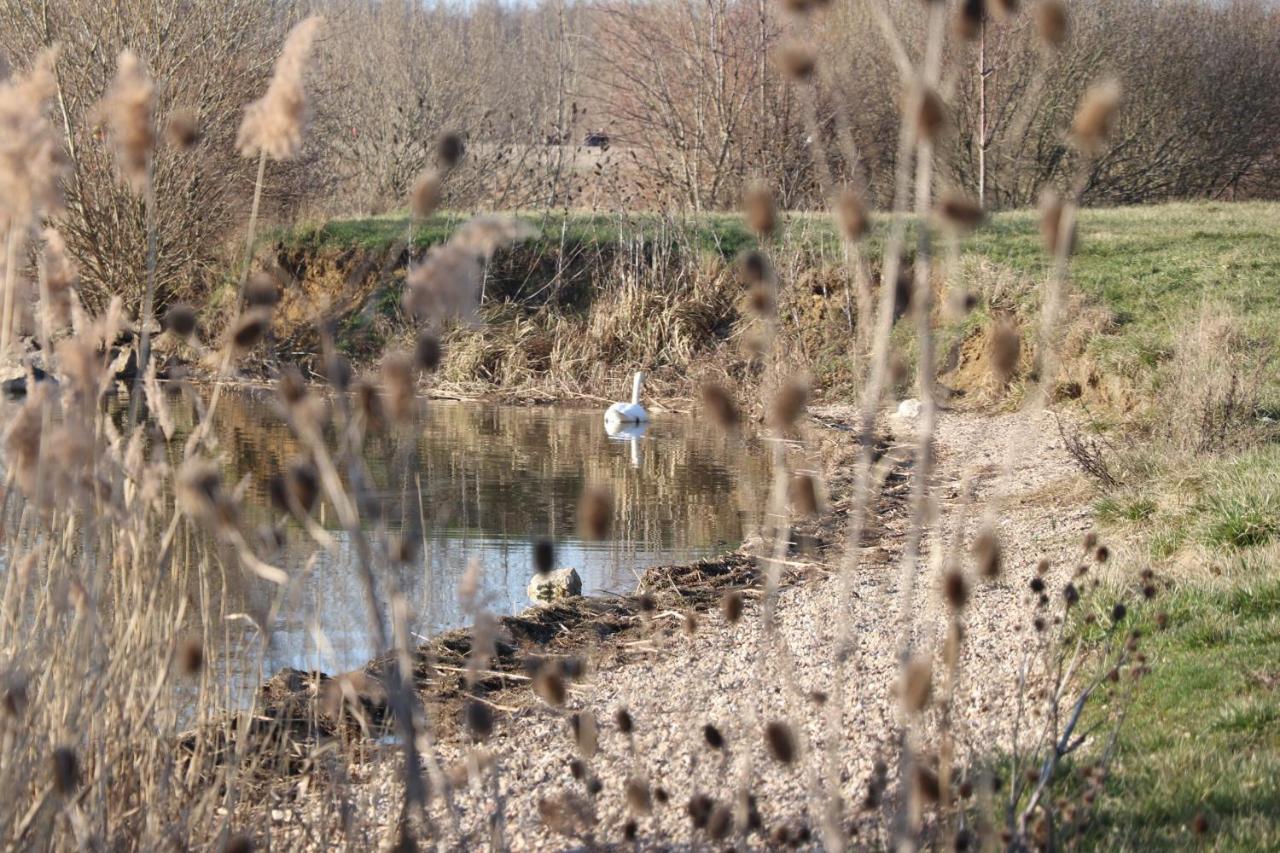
(632, 433)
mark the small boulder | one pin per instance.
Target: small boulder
(553, 586)
(909, 409)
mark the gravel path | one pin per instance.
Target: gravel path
(673, 685)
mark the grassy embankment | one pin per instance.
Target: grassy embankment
(1183, 305)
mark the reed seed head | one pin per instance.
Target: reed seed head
(781, 741)
(190, 656)
(127, 109)
(1052, 22)
(595, 513)
(852, 215)
(760, 300)
(273, 124)
(1095, 115)
(759, 210)
(32, 162)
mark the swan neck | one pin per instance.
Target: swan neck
(635, 388)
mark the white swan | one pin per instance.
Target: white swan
(629, 413)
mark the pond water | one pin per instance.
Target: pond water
(471, 482)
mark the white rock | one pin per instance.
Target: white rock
(909, 408)
(562, 583)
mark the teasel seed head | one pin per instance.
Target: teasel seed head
(781, 741)
(190, 656)
(852, 215)
(427, 352)
(426, 195)
(960, 214)
(622, 719)
(759, 210)
(250, 328)
(586, 735)
(955, 588)
(1093, 119)
(968, 20)
(630, 830)
(1118, 612)
(797, 60)
(788, 404)
(1090, 540)
(398, 386)
(1004, 349)
(1051, 209)
(65, 768)
(450, 149)
(369, 404)
(639, 799)
(337, 370)
(291, 385)
(1102, 553)
(550, 686)
(690, 623)
(917, 684)
(731, 606)
(479, 720)
(719, 405)
(720, 822)
(1037, 585)
(760, 300)
(753, 266)
(595, 513)
(1052, 22)
(926, 785)
(1002, 10)
(700, 806)
(804, 495)
(927, 112)
(987, 553)
(182, 131)
(239, 843)
(1070, 594)
(713, 737)
(262, 291)
(544, 556)
(180, 320)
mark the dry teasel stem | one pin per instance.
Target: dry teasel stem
(987, 552)
(804, 495)
(1092, 122)
(917, 684)
(595, 513)
(759, 210)
(1052, 22)
(781, 741)
(788, 404)
(852, 215)
(544, 556)
(798, 60)
(180, 319)
(1005, 348)
(719, 405)
(450, 149)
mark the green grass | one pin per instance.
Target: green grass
(1202, 736)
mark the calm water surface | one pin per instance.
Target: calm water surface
(472, 482)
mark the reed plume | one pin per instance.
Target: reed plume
(273, 124)
(127, 110)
